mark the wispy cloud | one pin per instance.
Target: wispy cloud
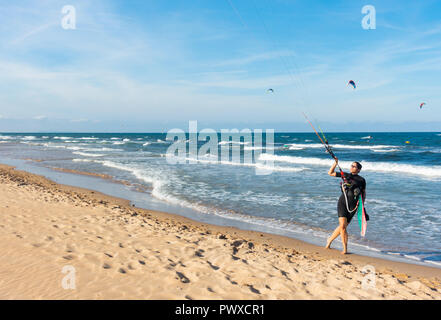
(253, 58)
(33, 32)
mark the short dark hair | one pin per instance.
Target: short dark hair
(359, 166)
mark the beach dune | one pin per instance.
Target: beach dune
(62, 242)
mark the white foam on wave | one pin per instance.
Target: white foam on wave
(92, 149)
(411, 257)
(50, 145)
(233, 142)
(160, 193)
(84, 154)
(74, 148)
(295, 148)
(386, 150)
(29, 138)
(104, 149)
(261, 148)
(438, 263)
(9, 137)
(426, 171)
(62, 138)
(139, 174)
(299, 146)
(262, 165)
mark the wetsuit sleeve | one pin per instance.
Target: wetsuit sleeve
(338, 174)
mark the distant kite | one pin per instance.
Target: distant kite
(422, 104)
(270, 91)
(352, 83)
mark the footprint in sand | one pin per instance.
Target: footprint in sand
(231, 281)
(199, 253)
(252, 289)
(212, 266)
(182, 277)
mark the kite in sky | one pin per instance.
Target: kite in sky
(352, 83)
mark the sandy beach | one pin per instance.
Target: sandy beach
(109, 249)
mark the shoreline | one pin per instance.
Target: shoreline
(236, 246)
(172, 211)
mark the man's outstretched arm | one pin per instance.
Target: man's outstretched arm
(331, 171)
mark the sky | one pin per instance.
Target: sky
(153, 65)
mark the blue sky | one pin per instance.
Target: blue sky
(153, 65)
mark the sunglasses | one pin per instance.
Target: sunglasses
(354, 167)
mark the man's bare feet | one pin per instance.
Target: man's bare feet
(344, 252)
(328, 244)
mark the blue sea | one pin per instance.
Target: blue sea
(298, 199)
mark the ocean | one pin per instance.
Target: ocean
(298, 199)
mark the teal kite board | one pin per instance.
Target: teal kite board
(361, 215)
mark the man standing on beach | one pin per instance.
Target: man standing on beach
(353, 186)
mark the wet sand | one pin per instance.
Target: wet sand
(115, 251)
